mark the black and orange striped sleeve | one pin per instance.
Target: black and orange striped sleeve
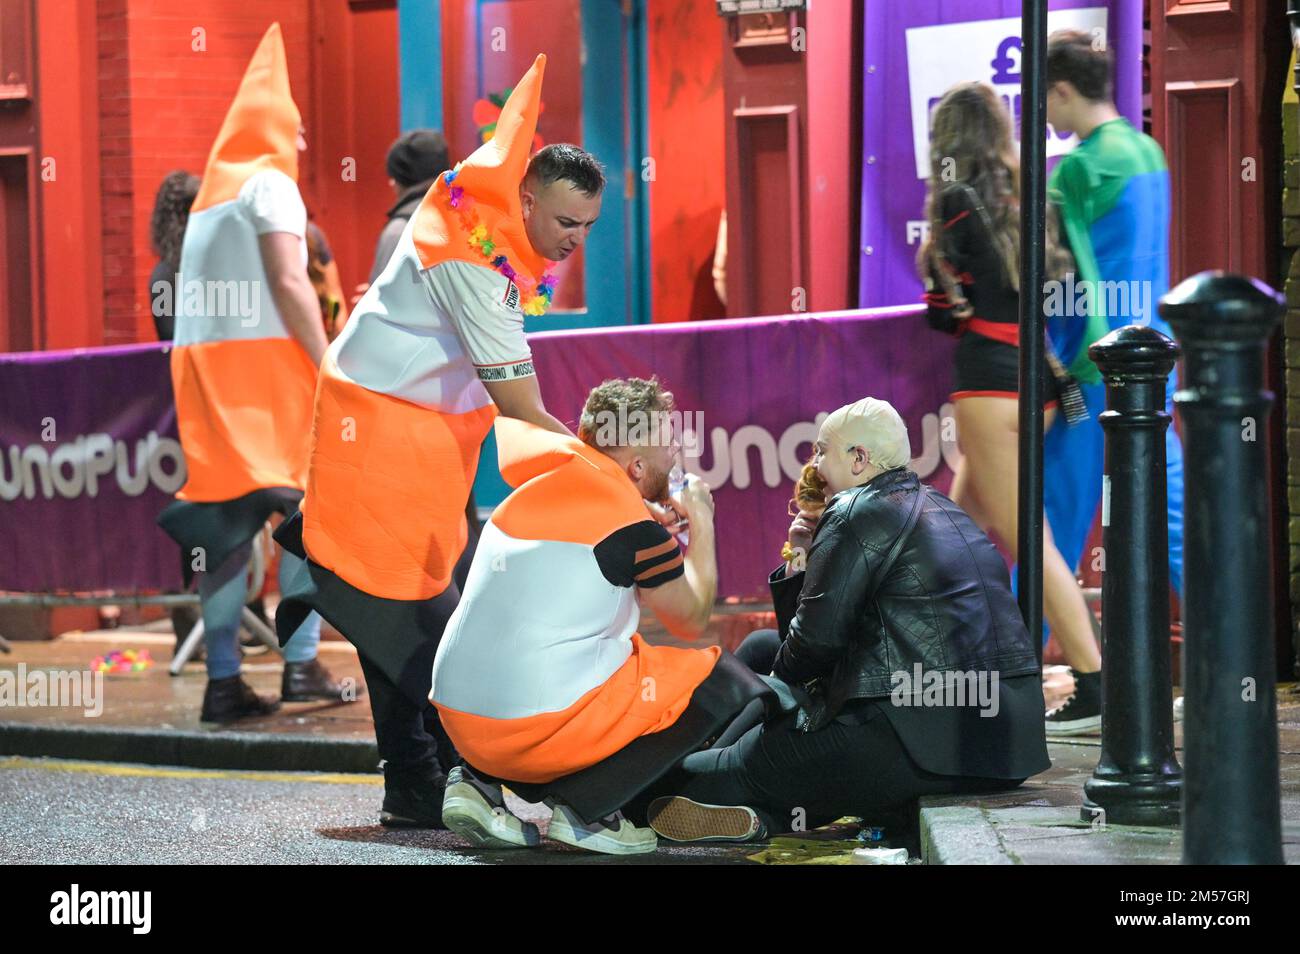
(641, 554)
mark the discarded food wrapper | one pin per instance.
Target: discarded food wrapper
(880, 856)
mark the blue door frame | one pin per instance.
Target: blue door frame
(616, 268)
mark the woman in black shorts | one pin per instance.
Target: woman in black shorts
(970, 263)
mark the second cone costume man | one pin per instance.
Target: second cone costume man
(402, 408)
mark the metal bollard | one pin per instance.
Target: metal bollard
(1231, 801)
(1137, 780)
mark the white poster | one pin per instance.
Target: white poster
(989, 51)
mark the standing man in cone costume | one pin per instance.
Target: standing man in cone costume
(247, 344)
(434, 351)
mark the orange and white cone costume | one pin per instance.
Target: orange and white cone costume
(542, 679)
(401, 411)
(243, 386)
(541, 671)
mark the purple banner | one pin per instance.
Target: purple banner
(752, 391)
(88, 458)
(915, 51)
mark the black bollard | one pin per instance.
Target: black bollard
(1231, 804)
(1137, 780)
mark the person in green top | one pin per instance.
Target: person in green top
(1112, 195)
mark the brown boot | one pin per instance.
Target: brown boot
(227, 700)
(308, 681)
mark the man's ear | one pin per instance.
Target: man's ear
(527, 200)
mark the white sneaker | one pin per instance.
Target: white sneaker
(612, 835)
(476, 810)
(677, 818)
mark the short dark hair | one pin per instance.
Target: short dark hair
(1073, 56)
(562, 160)
(417, 156)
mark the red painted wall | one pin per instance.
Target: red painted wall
(69, 213)
(834, 150)
(487, 45)
(686, 126)
(130, 92)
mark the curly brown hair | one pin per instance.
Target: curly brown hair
(171, 212)
(809, 492)
(622, 399)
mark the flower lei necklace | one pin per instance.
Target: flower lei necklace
(535, 296)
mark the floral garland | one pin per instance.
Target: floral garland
(535, 296)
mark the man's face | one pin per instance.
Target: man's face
(557, 217)
(649, 467)
(841, 468)
(1058, 107)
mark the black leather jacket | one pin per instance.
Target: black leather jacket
(946, 603)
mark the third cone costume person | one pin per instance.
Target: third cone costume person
(243, 384)
(400, 415)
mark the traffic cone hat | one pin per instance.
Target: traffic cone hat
(473, 212)
(260, 130)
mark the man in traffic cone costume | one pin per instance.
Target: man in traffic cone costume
(247, 345)
(434, 350)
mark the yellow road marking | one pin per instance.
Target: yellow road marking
(147, 771)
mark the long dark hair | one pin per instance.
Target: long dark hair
(171, 211)
(970, 142)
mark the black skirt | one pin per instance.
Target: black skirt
(986, 367)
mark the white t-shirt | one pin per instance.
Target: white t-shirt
(272, 202)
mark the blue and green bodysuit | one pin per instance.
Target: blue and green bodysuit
(1112, 193)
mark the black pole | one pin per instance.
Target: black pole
(1231, 803)
(1033, 217)
(1137, 780)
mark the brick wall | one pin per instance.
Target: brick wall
(161, 104)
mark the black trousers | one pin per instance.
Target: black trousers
(796, 780)
(412, 743)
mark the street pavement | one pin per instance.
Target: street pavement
(66, 812)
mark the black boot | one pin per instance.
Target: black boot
(411, 803)
(307, 681)
(226, 700)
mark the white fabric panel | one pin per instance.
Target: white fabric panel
(400, 342)
(538, 626)
(484, 307)
(222, 293)
(273, 204)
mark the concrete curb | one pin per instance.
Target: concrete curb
(249, 751)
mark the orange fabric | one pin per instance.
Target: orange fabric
(565, 490)
(260, 130)
(386, 494)
(490, 176)
(646, 694)
(243, 409)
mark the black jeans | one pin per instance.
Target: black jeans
(410, 738)
(412, 743)
(796, 780)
